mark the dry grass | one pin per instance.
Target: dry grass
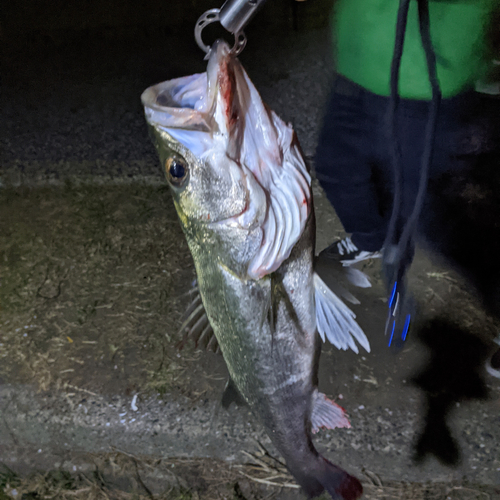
(376, 489)
(93, 281)
(265, 469)
(121, 476)
(91, 277)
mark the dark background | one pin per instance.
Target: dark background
(72, 74)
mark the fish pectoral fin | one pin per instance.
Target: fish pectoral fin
(335, 321)
(326, 413)
(231, 394)
(196, 326)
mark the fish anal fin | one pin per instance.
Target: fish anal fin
(326, 413)
(231, 394)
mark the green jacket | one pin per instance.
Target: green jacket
(364, 31)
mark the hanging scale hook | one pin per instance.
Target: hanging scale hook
(212, 16)
(234, 15)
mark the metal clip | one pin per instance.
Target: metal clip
(236, 14)
(212, 16)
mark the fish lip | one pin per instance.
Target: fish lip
(179, 110)
(176, 112)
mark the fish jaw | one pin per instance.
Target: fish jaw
(179, 103)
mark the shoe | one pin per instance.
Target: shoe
(493, 364)
(348, 253)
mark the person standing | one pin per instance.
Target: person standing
(353, 158)
(354, 161)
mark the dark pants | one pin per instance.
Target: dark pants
(461, 215)
(353, 159)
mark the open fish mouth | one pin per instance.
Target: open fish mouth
(178, 103)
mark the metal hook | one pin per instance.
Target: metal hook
(212, 16)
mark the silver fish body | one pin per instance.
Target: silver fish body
(242, 193)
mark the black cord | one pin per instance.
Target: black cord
(411, 225)
(398, 253)
(396, 151)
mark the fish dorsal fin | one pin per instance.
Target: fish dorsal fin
(335, 321)
(326, 413)
(338, 277)
(196, 326)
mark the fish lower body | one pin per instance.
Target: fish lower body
(266, 330)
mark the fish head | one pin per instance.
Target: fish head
(234, 168)
(207, 188)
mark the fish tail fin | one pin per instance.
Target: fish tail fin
(309, 483)
(340, 484)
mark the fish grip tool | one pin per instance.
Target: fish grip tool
(400, 303)
(399, 246)
(234, 15)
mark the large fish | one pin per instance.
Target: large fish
(243, 196)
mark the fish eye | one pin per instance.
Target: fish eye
(176, 169)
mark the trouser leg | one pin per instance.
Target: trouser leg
(344, 169)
